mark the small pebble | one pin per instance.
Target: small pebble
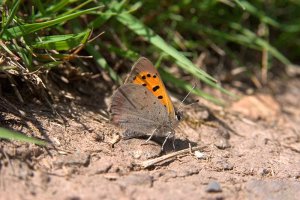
(263, 171)
(199, 155)
(213, 186)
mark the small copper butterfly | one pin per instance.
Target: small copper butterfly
(142, 105)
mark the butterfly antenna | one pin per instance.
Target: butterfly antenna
(186, 96)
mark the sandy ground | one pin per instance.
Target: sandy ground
(249, 150)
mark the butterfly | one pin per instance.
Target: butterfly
(142, 105)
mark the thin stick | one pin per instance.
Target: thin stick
(167, 157)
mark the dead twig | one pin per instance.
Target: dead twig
(168, 157)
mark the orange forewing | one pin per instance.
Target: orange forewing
(145, 74)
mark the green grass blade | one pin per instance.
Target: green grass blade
(238, 2)
(29, 28)
(59, 5)
(11, 135)
(259, 14)
(38, 4)
(105, 16)
(24, 55)
(11, 16)
(61, 42)
(52, 7)
(78, 7)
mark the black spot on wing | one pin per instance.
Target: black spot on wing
(160, 97)
(144, 77)
(144, 84)
(155, 88)
(148, 75)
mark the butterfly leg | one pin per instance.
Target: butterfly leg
(151, 136)
(170, 133)
(174, 143)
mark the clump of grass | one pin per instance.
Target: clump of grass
(39, 51)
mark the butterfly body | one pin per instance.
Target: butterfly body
(142, 105)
